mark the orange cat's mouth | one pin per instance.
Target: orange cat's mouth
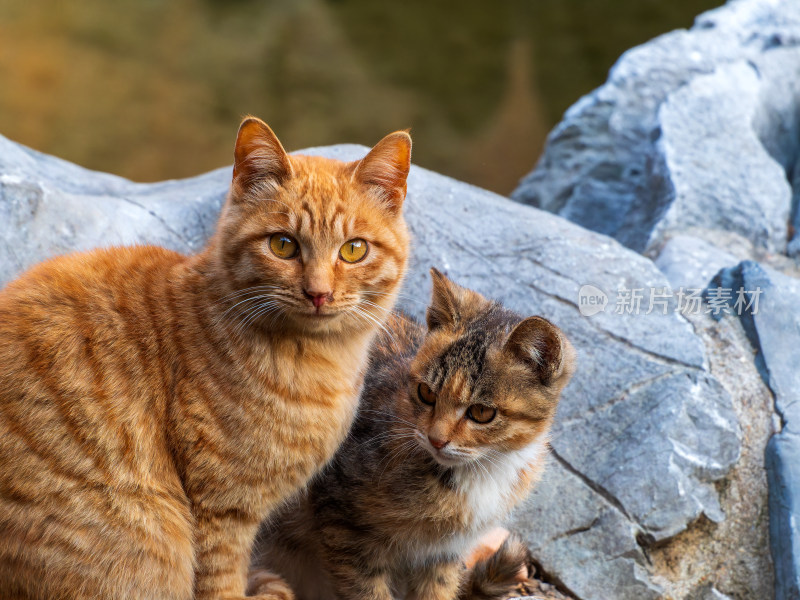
(320, 314)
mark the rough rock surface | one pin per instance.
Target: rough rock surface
(691, 262)
(690, 153)
(708, 592)
(694, 131)
(644, 430)
(773, 326)
(49, 206)
(733, 555)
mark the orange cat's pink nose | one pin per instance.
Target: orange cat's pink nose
(438, 444)
(318, 298)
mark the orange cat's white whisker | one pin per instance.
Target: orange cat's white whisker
(254, 313)
(399, 296)
(372, 318)
(255, 288)
(243, 311)
(246, 300)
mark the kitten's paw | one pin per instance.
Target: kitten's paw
(266, 585)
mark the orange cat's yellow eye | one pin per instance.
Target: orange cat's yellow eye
(426, 395)
(354, 250)
(283, 246)
(480, 413)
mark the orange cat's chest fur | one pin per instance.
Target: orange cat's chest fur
(128, 333)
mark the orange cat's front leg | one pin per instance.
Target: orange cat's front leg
(223, 554)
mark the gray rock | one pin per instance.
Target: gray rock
(695, 129)
(644, 429)
(584, 528)
(714, 170)
(793, 247)
(691, 262)
(773, 326)
(49, 206)
(782, 459)
(707, 592)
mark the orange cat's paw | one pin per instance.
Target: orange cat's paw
(265, 585)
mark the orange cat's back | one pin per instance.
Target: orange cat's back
(76, 396)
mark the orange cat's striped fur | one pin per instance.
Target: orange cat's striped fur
(154, 407)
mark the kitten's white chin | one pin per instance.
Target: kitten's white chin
(447, 460)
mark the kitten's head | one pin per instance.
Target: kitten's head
(485, 381)
(311, 242)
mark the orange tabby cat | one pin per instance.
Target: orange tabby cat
(154, 407)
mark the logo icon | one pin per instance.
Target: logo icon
(591, 300)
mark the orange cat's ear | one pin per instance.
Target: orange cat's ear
(259, 156)
(385, 168)
(543, 348)
(446, 301)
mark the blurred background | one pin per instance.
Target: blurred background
(154, 89)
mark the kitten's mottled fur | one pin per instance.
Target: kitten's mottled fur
(155, 407)
(414, 486)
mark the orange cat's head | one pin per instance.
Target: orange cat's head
(309, 242)
(485, 382)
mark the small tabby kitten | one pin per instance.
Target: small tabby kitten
(450, 436)
(155, 407)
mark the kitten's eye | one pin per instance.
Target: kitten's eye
(283, 246)
(480, 413)
(426, 395)
(353, 251)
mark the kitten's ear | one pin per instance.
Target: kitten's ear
(544, 349)
(446, 302)
(258, 156)
(386, 167)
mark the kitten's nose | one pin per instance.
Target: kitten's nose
(438, 444)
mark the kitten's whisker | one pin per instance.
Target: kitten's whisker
(482, 466)
(388, 435)
(403, 451)
(394, 454)
(389, 414)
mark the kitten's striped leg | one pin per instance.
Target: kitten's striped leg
(435, 581)
(263, 583)
(357, 581)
